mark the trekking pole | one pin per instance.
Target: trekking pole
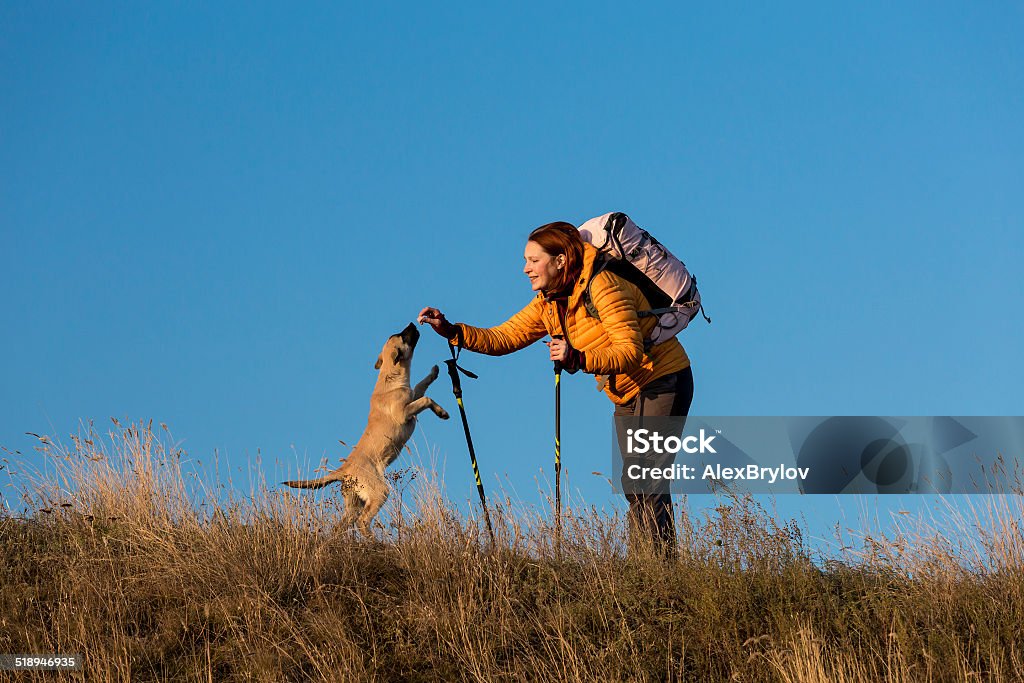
(558, 452)
(453, 372)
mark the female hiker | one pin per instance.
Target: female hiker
(655, 382)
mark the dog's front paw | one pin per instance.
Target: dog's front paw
(433, 373)
(442, 413)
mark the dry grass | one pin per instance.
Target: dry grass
(154, 574)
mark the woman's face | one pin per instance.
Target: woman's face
(541, 267)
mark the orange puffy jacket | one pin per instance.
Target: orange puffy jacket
(613, 345)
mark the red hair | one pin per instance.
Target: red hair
(561, 238)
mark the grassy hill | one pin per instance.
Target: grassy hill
(150, 582)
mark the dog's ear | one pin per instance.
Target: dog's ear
(380, 362)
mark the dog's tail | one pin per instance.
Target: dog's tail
(315, 483)
(308, 483)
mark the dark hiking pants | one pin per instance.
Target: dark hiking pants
(650, 514)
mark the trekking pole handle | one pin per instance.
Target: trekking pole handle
(558, 363)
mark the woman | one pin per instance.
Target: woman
(652, 382)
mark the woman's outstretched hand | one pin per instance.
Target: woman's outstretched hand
(436, 320)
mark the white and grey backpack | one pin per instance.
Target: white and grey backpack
(631, 253)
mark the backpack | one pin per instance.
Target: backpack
(631, 253)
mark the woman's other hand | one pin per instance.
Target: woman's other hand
(558, 349)
(570, 359)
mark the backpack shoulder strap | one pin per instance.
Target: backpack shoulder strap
(600, 263)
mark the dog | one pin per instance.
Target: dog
(394, 406)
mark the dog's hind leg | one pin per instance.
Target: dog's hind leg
(375, 501)
(423, 403)
(421, 388)
(353, 506)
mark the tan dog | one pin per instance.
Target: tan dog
(394, 406)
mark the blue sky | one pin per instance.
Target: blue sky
(213, 216)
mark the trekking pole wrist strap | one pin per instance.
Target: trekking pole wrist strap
(453, 365)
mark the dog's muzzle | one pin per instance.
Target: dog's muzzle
(410, 335)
